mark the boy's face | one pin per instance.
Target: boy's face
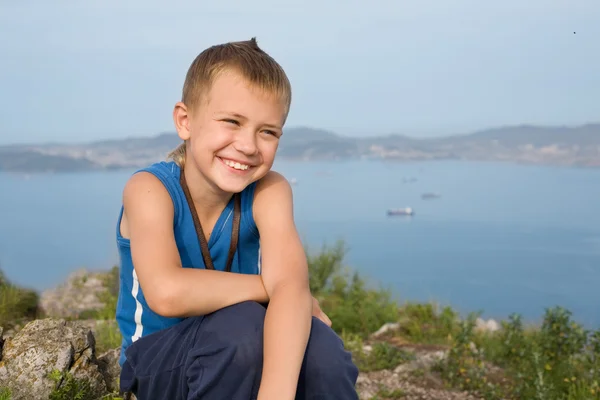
(234, 133)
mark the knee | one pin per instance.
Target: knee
(239, 331)
(326, 357)
(240, 319)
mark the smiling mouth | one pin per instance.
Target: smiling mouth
(235, 165)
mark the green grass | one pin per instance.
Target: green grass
(107, 333)
(385, 394)
(69, 388)
(17, 305)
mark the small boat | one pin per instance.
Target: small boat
(429, 195)
(400, 211)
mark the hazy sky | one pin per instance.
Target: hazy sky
(79, 71)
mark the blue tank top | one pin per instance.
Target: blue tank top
(134, 317)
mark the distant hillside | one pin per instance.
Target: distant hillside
(514, 136)
(568, 146)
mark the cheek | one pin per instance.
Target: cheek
(211, 140)
(268, 149)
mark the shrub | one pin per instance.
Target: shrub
(345, 298)
(426, 323)
(559, 360)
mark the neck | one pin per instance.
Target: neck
(210, 200)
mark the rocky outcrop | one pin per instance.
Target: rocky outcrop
(48, 355)
(415, 379)
(410, 381)
(388, 384)
(79, 294)
(110, 369)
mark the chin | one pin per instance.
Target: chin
(231, 187)
(233, 184)
(235, 181)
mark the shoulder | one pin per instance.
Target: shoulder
(144, 191)
(273, 198)
(156, 182)
(272, 186)
(147, 206)
(163, 170)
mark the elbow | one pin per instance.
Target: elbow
(164, 302)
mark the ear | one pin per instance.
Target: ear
(181, 118)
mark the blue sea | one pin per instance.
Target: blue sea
(502, 238)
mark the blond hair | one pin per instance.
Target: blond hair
(245, 58)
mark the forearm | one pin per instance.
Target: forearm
(191, 291)
(286, 331)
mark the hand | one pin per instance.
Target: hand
(317, 312)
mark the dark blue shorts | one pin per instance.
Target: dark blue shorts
(219, 357)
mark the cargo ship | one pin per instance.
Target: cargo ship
(400, 211)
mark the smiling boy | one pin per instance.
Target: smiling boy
(207, 238)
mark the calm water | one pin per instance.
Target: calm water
(502, 238)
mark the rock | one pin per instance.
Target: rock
(78, 294)
(110, 369)
(389, 327)
(486, 326)
(370, 385)
(413, 380)
(424, 361)
(66, 349)
(49, 346)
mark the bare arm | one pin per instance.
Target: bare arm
(170, 290)
(285, 276)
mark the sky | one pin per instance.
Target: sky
(82, 71)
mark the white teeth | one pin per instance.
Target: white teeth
(236, 165)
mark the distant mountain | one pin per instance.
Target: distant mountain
(583, 135)
(560, 145)
(30, 161)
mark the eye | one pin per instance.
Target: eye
(231, 121)
(272, 133)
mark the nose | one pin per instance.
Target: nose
(246, 142)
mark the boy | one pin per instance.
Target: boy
(212, 237)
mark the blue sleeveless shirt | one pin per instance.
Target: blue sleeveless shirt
(134, 316)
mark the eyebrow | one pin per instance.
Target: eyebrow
(233, 114)
(240, 116)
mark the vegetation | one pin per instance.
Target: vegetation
(344, 296)
(17, 305)
(107, 333)
(69, 388)
(557, 360)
